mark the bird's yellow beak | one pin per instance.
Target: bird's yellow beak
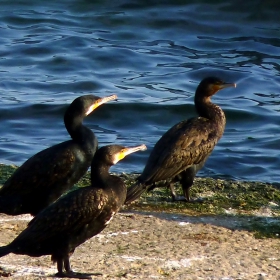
(226, 85)
(217, 87)
(99, 102)
(128, 150)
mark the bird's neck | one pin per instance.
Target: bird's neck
(112, 185)
(100, 175)
(206, 109)
(77, 130)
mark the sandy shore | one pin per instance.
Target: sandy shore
(158, 239)
(156, 246)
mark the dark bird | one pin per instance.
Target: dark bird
(76, 217)
(184, 148)
(44, 177)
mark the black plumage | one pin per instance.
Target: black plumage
(48, 174)
(76, 217)
(185, 147)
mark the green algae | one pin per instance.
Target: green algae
(255, 204)
(258, 202)
(5, 172)
(218, 196)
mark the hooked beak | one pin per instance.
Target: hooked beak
(99, 102)
(226, 85)
(128, 150)
(216, 88)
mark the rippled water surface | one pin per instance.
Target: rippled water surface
(152, 56)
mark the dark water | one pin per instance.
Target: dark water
(152, 56)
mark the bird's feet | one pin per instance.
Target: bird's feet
(184, 199)
(197, 200)
(72, 274)
(179, 198)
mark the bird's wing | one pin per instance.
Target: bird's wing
(68, 214)
(52, 166)
(187, 143)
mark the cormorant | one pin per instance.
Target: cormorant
(185, 147)
(77, 216)
(44, 177)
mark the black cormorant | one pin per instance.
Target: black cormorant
(76, 217)
(44, 177)
(185, 147)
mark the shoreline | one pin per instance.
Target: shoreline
(258, 201)
(233, 234)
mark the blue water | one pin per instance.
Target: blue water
(152, 56)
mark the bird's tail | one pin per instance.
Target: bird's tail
(134, 192)
(5, 250)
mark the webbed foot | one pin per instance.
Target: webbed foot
(184, 199)
(72, 274)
